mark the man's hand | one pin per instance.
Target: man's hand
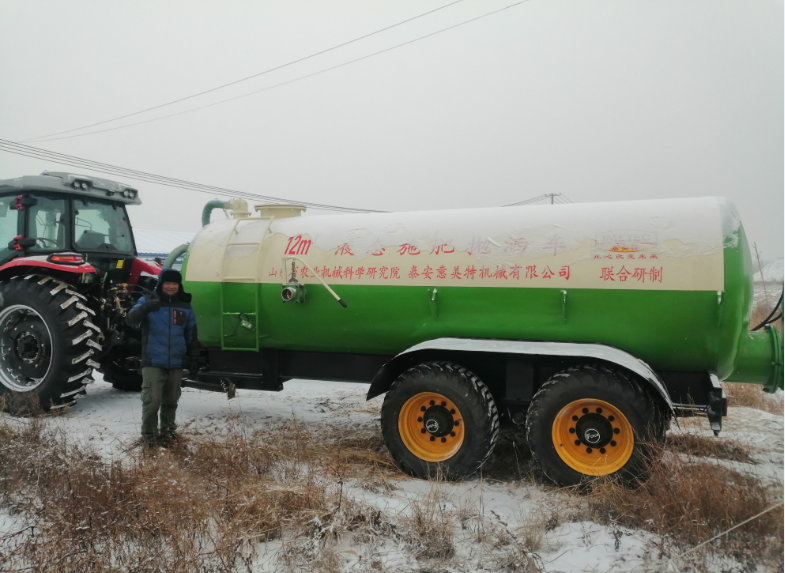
(151, 305)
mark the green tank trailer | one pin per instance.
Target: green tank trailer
(591, 325)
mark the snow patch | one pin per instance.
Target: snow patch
(772, 272)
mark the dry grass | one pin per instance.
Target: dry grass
(430, 526)
(762, 309)
(214, 501)
(687, 502)
(707, 447)
(753, 396)
(211, 503)
(204, 506)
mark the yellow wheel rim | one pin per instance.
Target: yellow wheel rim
(431, 427)
(593, 437)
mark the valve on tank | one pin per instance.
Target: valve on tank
(293, 290)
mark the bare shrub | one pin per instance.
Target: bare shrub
(22, 404)
(516, 557)
(315, 548)
(535, 526)
(707, 447)
(688, 502)
(753, 396)
(430, 527)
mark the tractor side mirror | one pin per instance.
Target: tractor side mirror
(20, 244)
(23, 202)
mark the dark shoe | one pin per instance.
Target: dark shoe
(148, 443)
(168, 440)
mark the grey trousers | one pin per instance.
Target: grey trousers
(160, 392)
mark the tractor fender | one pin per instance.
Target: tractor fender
(141, 268)
(425, 351)
(26, 265)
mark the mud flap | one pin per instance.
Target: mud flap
(718, 404)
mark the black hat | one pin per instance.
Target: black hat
(172, 276)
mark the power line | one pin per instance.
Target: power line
(41, 140)
(276, 68)
(37, 153)
(170, 182)
(556, 198)
(526, 201)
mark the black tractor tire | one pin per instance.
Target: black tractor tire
(47, 339)
(590, 421)
(439, 421)
(127, 381)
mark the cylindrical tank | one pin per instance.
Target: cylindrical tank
(669, 281)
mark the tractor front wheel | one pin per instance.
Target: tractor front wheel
(47, 339)
(439, 419)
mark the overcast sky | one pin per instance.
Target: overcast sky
(597, 100)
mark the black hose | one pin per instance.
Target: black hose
(768, 319)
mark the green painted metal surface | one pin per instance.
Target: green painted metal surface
(670, 330)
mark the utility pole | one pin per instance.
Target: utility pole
(760, 270)
(552, 195)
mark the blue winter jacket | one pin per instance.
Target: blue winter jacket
(169, 333)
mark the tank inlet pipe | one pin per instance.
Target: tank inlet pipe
(331, 291)
(208, 209)
(239, 209)
(176, 252)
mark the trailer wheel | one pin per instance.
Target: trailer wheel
(589, 421)
(439, 419)
(658, 413)
(46, 341)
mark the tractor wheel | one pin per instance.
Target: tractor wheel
(439, 419)
(121, 379)
(591, 421)
(46, 340)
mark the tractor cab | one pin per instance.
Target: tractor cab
(56, 213)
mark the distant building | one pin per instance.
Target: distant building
(152, 245)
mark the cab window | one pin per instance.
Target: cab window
(46, 224)
(100, 226)
(9, 227)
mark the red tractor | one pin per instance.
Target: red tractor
(68, 275)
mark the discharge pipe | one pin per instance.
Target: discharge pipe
(760, 359)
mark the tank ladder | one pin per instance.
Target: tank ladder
(248, 320)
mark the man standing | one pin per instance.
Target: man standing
(169, 344)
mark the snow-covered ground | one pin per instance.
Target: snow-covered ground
(108, 420)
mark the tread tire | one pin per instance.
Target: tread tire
(121, 379)
(590, 382)
(71, 365)
(478, 411)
